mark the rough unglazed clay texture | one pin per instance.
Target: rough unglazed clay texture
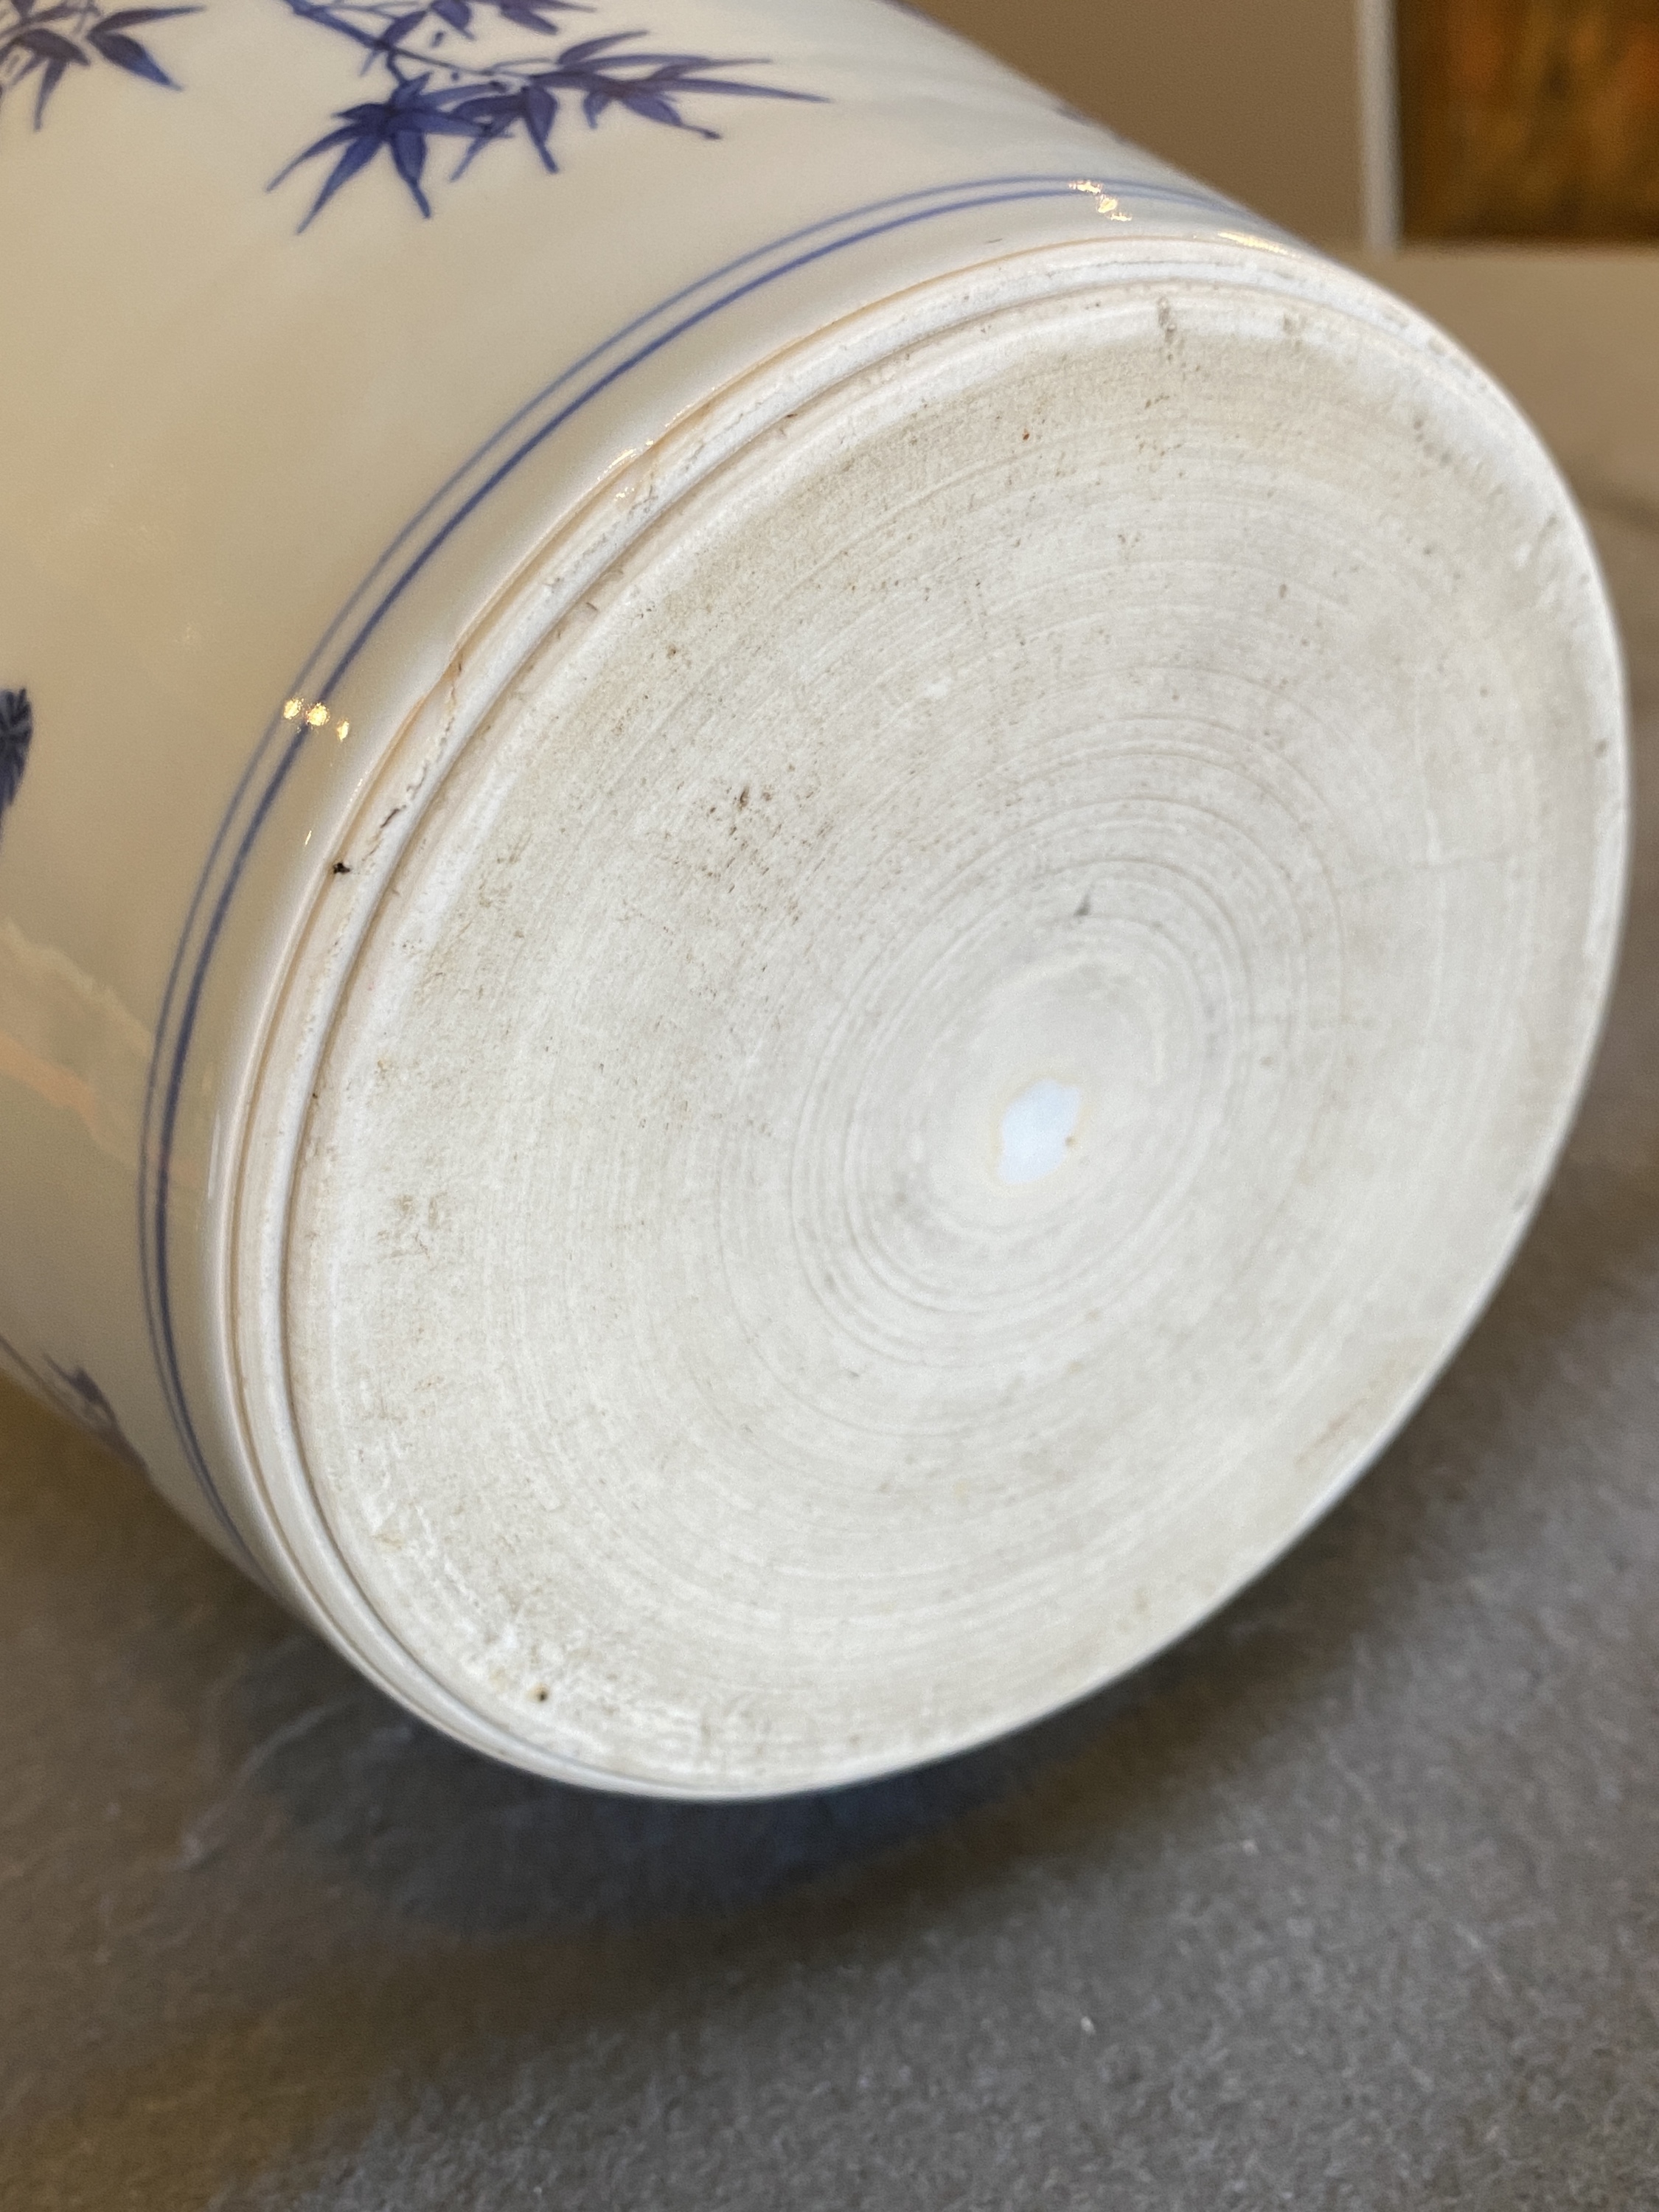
(1352, 1901)
(1190, 690)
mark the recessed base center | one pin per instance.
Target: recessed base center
(1038, 1129)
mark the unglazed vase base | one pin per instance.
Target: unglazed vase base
(962, 1043)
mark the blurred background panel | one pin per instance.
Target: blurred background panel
(1371, 120)
(1530, 119)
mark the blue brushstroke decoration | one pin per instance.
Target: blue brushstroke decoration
(427, 87)
(430, 90)
(42, 43)
(17, 733)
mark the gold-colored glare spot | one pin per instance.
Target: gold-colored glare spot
(341, 733)
(1104, 202)
(292, 710)
(1249, 238)
(317, 716)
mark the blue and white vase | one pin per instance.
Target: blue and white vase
(799, 881)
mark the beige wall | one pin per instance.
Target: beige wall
(1260, 97)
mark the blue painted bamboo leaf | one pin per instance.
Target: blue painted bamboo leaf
(16, 732)
(739, 91)
(51, 77)
(87, 33)
(401, 124)
(588, 50)
(541, 109)
(642, 101)
(126, 53)
(49, 56)
(404, 27)
(497, 114)
(47, 45)
(409, 157)
(478, 102)
(359, 153)
(525, 14)
(128, 19)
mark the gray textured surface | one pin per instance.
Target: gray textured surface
(1351, 1901)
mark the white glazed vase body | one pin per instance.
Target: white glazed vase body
(799, 881)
